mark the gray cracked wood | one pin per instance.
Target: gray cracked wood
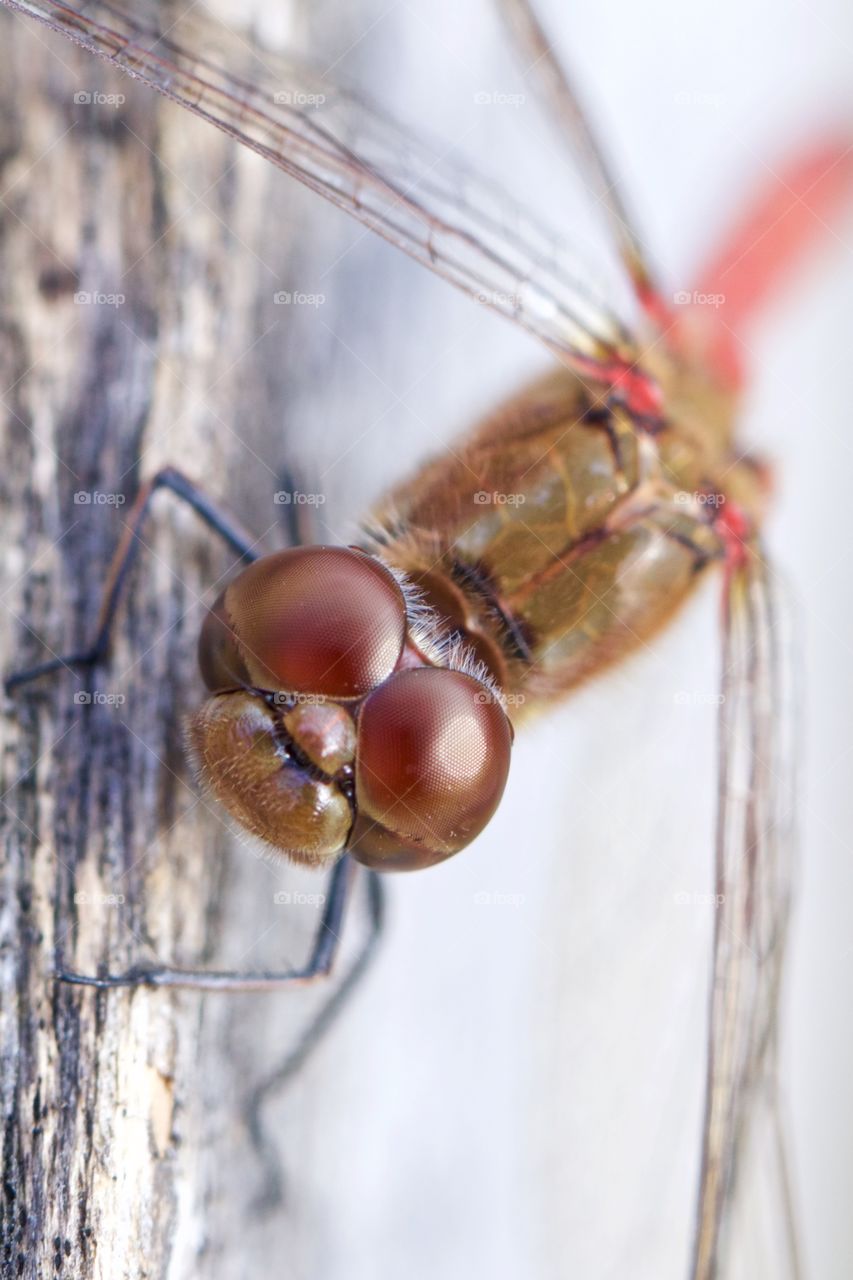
(141, 254)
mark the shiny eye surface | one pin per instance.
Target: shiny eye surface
(239, 755)
(319, 620)
(433, 756)
(219, 659)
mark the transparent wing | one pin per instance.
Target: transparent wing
(331, 139)
(743, 1158)
(560, 98)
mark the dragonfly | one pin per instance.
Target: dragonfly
(362, 701)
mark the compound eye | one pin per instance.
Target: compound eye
(432, 762)
(320, 620)
(234, 742)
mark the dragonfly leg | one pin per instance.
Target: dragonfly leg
(299, 511)
(318, 965)
(125, 555)
(310, 1037)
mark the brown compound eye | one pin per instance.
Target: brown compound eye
(239, 754)
(431, 765)
(319, 620)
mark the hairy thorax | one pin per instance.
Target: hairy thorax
(563, 532)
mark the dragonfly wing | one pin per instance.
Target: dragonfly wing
(446, 217)
(560, 98)
(744, 1178)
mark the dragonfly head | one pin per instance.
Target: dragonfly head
(328, 730)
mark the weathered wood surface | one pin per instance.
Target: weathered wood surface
(140, 257)
(516, 1090)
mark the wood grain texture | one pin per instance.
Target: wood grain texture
(140, 255)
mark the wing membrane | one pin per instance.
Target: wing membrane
(753, 883)
(560, 97)
(458, 225)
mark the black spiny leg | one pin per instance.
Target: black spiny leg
(125, 555)
(299, 511)
(310, 1037)
(328, 936)
(318, 965)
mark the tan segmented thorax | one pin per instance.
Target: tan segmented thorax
(560, 533)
